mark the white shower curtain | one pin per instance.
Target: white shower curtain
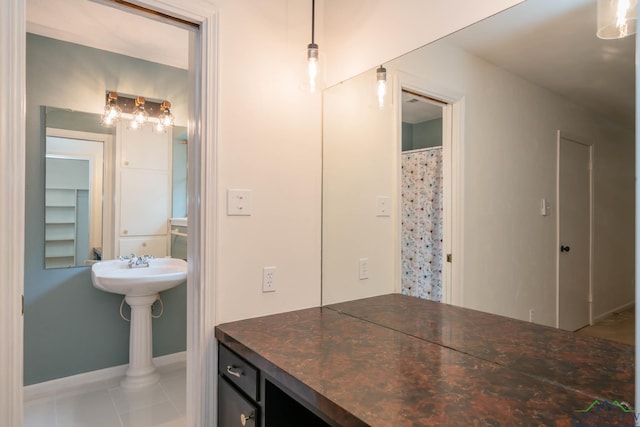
(422, 223)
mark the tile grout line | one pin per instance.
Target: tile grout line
(113, 404)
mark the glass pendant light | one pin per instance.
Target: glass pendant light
(616, 18)
(312, 52)
(381, 76)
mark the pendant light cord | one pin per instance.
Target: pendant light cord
(313, 20)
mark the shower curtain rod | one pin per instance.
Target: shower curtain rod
(417, 150)
(425, 97)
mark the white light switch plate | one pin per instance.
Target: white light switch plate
(239, 202)
(383, 206)
(363, 268)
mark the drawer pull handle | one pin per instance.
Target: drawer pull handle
(244, 419)
(237, 373)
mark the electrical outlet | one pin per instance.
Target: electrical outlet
(532, 315)
(269, 279)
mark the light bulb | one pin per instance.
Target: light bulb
(621, 16)
(111, 111)
(140, 116)
(312, 59)
(381, 76)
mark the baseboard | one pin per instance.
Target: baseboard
(609, 313)
(50, 388)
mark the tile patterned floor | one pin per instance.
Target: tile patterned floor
(105, 404)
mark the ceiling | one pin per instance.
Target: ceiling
(551, 43)
(109, 28)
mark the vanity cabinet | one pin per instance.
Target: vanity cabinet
(250, 397)
(142, 191)
(395, 360)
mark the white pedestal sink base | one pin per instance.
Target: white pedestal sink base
(141, 372)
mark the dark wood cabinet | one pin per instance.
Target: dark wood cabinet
(234, 410)
(249, 398)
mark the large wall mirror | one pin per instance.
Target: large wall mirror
(518, 97)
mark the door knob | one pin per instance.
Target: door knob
(244, 419)
(564, 248)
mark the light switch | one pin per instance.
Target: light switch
(383, 206)
(239, 202)
(363, 268)
(545, 207)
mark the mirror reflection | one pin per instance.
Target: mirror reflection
(421, 196)
(537, 155)
(150, 212)
(74, 173)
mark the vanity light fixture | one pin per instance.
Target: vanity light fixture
(165, 119)
(112, 111)
(312, 52)
(138, 110)
(140, 116)
(381, 76)
(616, 18)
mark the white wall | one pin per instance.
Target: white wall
(269, 142)
(270, 130)
(361, 34)
(358, 167)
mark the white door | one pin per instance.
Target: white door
(574, 233)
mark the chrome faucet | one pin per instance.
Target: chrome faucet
(136, 261)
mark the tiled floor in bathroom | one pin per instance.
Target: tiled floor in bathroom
(105, 404)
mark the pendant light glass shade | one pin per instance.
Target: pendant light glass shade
(312, 61)
(616, 18)
(381, 78)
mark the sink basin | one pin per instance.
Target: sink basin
(140, 286)
(115, 276)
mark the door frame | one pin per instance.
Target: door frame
(203, 112)
(559, 136)
(453, 273)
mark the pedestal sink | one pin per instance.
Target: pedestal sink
(140, 286)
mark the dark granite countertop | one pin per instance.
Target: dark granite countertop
(359, 369)
(601, 368)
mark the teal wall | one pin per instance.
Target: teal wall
(69, 326)
(179, 197)
(421, 135)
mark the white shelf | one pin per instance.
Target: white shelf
(60, 227)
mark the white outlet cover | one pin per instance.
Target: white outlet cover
(269, 279)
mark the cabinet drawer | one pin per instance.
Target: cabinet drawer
(238, 371)
(234, 410)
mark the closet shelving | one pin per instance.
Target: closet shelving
(60, 227)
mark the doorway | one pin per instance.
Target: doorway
(430, 134)
(574, 244)
(422, 196)
(201, 203)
